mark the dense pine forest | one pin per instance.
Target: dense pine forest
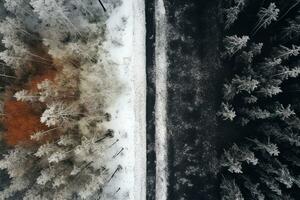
(261, 100)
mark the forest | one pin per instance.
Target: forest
(149, 100)
(55, 87)
(261, 100)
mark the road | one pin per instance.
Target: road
(194, 84)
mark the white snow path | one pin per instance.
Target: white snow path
(139, 66)
(161, 138)
(126, 48)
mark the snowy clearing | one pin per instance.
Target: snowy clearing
(126, 47)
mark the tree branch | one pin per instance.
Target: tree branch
(102, 5)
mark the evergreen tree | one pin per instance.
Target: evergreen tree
(58, 114)
(266, 17)
(285, 52)
(253, 92)
(234, 43)
(229, 91)
(287, 73)
(226, 112)
(230, 190)
(254, 190)
(256, 113)
(284, 112)
(270, 148)
(292, 31)
(248, 56)
(235, 156)
(271, 184)
(231, 14)
(24, 95)
(246, 84)
(250, 99)
(270, 91)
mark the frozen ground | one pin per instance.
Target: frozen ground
(126, 48)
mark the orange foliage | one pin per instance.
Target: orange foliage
(38, 78)
(20, 121)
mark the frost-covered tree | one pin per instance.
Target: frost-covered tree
(234, 43)
(247, 56)
(270, 148)
(246, 84)
(272, 62)
(235, 156)
(231, 13)
(46, 90)
(250, 99)
(15, 162)
(58, 166)
(39, 135)
(59, 113)
(258, 77)
(271, 184)
(67, 160)
(284, 112)
(292, 31)
(54, 14)
(226, 112)
(288, 136)
(284, 177)
(287, 73)
(257, 113)
(18, 184)
(254, 190)
(229, 91)
(63, 20)
(16, 52)
(24, 95)
(285, 52)
(230, 190)
(270, 91)
(266, 17)
(20, 8)
(280, 173)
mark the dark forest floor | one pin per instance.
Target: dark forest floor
(195, 77)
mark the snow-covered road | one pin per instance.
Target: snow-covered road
(126, 46)
(126, 49)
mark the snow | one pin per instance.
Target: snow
(161, 138)
(125, 46)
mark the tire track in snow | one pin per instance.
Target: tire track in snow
(161, 147)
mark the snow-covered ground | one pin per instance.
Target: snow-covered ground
(161, 137)
(125, 46)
